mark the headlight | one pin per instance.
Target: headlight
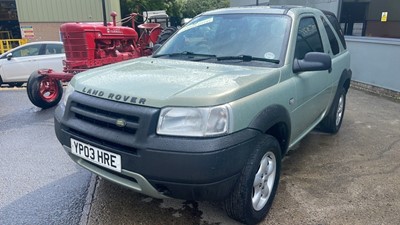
(194, 122)
(67, 93)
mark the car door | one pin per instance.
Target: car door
(52, 57)
(22, 63)
(313, 88)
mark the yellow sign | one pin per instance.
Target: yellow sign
(384, 16)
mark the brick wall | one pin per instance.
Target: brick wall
(44, 31)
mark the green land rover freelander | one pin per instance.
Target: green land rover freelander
(211, 113)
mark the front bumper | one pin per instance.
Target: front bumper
(161, 166)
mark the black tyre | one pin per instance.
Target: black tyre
(255, 190)
(165, 34)
(333, 121)
(43, 91)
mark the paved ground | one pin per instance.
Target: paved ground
(350, 178)
(39, 184)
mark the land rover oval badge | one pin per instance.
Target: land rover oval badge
(120, 123)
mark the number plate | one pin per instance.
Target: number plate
(98, 156)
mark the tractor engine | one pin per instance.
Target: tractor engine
(89, 45)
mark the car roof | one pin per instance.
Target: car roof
(275, 9)
(32, 43)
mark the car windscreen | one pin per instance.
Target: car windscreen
(219, 38)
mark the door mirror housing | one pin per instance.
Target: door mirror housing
(313, 61)
(9, 56)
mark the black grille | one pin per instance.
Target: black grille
(105, 118)
(109, 124)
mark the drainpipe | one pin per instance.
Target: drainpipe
(103, 4)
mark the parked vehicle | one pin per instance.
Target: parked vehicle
(211, 114)
(17, 64)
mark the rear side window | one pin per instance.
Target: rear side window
(332, 38)
(334, 22)
(308, 38)
(54, 49)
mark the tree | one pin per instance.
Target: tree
(192, 8)
(174, 8)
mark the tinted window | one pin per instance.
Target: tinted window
(308, 38)
(331, 36)
(334, 22)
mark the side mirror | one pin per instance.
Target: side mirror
(313, 61)
(156, 47)
(9, 56)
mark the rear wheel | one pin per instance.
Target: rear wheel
(255, 190)
(333, 121)
(43, 91)
(165, 34)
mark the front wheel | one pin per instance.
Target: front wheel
(43, 91)
(255, 190)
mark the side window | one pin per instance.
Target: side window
(31, 50)
(308, 38)
(332, 19)
(54, 49)
(332, 38)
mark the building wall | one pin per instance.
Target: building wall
(375, 61)
(44, 31)
(329, 5)
(64, 10)
(46, 16)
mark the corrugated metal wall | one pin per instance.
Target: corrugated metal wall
(64, 10)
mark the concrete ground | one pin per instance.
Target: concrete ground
(349, 178)
(39, 183)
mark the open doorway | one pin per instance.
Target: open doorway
(9, 24)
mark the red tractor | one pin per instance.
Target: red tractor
(90, 45)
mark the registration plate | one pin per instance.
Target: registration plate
(95, 155)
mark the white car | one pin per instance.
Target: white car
(17, 64)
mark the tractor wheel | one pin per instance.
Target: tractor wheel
(165, 34)
(43, 91)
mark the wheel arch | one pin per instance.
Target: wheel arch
(345, 79)
(275, 121)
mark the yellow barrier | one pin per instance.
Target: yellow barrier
(7, 44)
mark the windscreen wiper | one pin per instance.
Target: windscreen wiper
(247, 58)
(186, 53)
